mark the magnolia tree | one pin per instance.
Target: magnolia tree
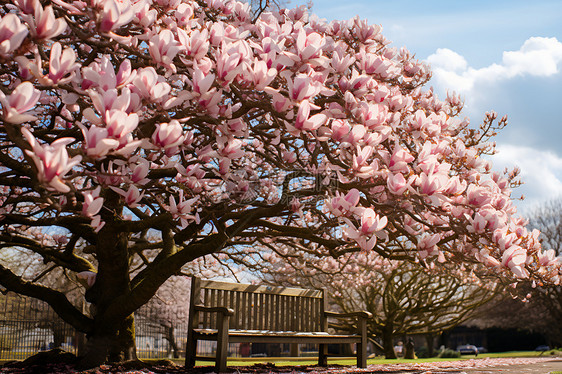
(182, 128)
(542, 310)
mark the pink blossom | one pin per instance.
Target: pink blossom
(547, 257)
(115, 13)
(340, 129)
(163, 48)
(183, 209)
(305, 122)
(397, 184)
(44, 25)
(132, 196)
(51, 160)
(93, 202)
(140, 171)
(370, 229)
(120, 124)
(168, 136)
(399, 160)
(61, 65)
(109, 100)
(371, 222)
(12, 33)
(309, 46)
(514, 258)
(302, 88)
(196, 44)
(101, 74)
(23, 98)
(27, 6)
(341, 205)
(477, 196)
(97, 141)
(230, 148)
(455, 186)
(427, 245)
(150, 85)
(262, 75)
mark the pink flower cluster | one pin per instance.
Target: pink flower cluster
(183, 108)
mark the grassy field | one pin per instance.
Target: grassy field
(284, 361)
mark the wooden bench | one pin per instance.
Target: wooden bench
(243, 313)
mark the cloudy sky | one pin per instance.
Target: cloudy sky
(501, 55)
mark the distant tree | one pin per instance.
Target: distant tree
(404, 298)
(169, 130)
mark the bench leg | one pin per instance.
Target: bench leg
(222, 343)
(361, 355)
(322, 354)
(362, 346)
(190, 352)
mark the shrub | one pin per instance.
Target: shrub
(449, 353)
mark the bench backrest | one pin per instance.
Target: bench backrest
(259, 307)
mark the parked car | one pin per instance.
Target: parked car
(467, 349)
(542, 348)
(482, 350)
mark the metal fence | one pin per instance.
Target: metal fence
(28, 326)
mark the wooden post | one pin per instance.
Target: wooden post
(194, 298)
(323, 348)
(362, 347)
(294, 350)
(222, 342)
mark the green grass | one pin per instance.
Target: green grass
(307, 361)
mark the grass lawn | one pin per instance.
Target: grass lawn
(284, 361)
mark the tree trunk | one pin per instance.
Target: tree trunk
(113, 336)
(409, 350)
(387, 342)
(429, 340)
(108, 344)
(171, 337)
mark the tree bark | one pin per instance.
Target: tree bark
(409, 349)
(387, 342)
(429, 340)
(113, 336)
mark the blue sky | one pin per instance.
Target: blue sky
(501, 55)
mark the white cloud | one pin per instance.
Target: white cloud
(537, 56)
(541, 172)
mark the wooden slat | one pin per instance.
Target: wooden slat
(260, 289)
(276, 312)
(205, 316)
(238, 311)
(233, 306)
(212, 316)
(268, 301)
(306, 315)
(255, 310)
(292, 311)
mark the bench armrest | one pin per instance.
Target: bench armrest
(214, 309)
(360, 314)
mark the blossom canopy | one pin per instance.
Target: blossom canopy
(194, 127)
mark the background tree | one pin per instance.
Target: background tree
(404, 298)
(170, 130)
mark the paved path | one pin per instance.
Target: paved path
(536, 368)
(520, 365)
